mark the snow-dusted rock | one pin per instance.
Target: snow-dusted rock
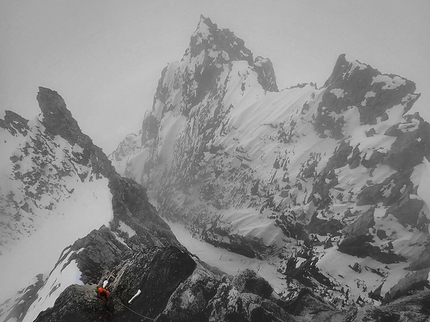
(259, 171)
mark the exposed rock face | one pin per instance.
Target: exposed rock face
(362, 224)
(58, 120)
(418, 280)
(76, 303)
(130, 205)
(247, 281)
(408, 309)
(14, 123)
(266, 74)
(366, 88)
(411, 145)
(310, 307)
(174, 287)
(423, 260)
(96, 252)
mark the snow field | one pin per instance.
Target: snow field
(88, 208)
(58, 280)
(230, 263)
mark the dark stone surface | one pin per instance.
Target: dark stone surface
(266, 73)
(406, 210)
(76, 303)
(410, 147)
(422, 261)
(97, 252)
(247, 281)
(324, 227)
(360, 246)
(14, 123)
(362, 224)
(413, 308)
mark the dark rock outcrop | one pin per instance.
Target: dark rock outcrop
(362, 224)
(412, 143)
(58, 120)
(413, 308)
(410, 284)
(130, 205)
(356, 79)
(361, 246)
(97, 252)
(266, 74)
(324, 227)
(14, 123)
(76, 303)
(422, 261)
(171, 286)
(247, 281)
(311, 307)
(157, 273)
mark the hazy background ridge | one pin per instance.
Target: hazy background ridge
(105, 57)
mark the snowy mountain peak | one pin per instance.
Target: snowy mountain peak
(220, 44)
(272, 174)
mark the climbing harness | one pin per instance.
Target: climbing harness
(143, 316)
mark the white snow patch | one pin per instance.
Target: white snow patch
(339, 92)
(230, 263)
(89, 208)
(420, 178)
(59, 279)
(126, 228)
(368, 95)
(410, 126)
(354, 65)
(390, 82)
(250, 223)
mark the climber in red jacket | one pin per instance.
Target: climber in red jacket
(103, 294)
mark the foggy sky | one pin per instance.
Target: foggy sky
(105, 57)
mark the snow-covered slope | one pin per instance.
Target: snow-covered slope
(50, 192)
(56, 187)
(331, 174)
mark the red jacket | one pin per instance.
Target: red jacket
(103, 293)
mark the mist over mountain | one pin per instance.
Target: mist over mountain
(326, 186)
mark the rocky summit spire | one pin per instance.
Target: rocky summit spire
(58, 120)
(220, 44)
(204, 70)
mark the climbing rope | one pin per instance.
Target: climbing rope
(136, 312)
